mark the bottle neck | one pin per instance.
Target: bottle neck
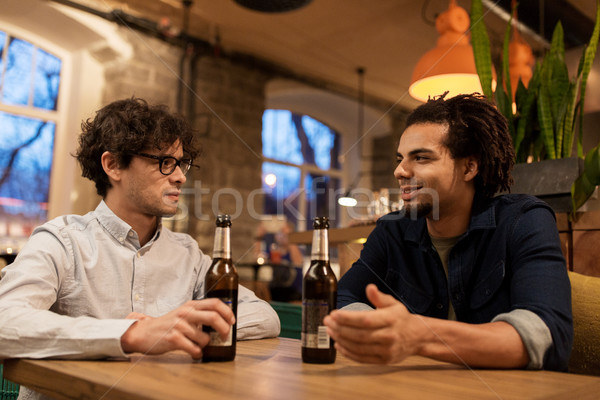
(222, 248)
(320, 245)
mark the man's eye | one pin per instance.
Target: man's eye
(169, 162)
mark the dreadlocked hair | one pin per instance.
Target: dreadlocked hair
(475, 129)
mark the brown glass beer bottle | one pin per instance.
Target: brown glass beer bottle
(319, 295)
(221, 281)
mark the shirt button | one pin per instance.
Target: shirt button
(121, 239)
(130, 234)
(457, 296)
(439, 306)
(137, 297)
(138, 255)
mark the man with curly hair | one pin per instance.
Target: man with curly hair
(458, 275)
(115, 281)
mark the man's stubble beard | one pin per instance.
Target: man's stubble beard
(150, 207)
(419, 210)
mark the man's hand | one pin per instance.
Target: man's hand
(391, 333)
(386, 335)
(138, 316)
(181, 329)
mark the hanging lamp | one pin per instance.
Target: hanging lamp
(520, 57)
(450, 66)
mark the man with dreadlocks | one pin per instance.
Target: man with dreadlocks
(458, 275)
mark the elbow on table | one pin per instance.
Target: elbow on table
(259, 324)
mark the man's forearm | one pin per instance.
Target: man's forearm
(492, 345)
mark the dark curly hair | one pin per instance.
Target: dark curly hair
(475, 128)
(127, 126)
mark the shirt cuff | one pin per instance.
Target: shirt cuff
(120, 327)
(357, 307)
(533, 331)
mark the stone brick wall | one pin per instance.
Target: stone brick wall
(231, 97)
(151, 73)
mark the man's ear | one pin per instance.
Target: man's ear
(111, 166)
(471, 168)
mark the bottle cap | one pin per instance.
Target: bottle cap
(321, 223)
(223, 221)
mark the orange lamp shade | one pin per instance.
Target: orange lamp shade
(444, 69)
(521, 62)
(450, 66)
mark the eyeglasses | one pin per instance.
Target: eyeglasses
(167, 164)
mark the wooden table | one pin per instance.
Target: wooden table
(272, 369)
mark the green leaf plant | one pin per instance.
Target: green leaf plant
(549, 112)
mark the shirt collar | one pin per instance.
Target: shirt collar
(483, 216)
(119, 229)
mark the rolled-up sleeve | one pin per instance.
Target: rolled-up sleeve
(540, 283)
(534, 333)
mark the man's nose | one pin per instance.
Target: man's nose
(178, 175)
(402, 172)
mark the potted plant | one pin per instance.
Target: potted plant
(547, 115)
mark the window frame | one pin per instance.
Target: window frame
(306, 169)
(56, 116)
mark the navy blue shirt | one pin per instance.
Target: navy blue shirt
(509, 258)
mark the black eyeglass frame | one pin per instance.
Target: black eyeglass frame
(184, 164)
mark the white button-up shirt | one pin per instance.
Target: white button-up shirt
(77, 278)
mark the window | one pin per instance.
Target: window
(29, 83)
(301, 172)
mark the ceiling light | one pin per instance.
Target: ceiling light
(270, 180)
(450, 66)
(520, 57)
(347, 200)
(273, 6)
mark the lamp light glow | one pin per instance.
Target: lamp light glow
(347, 201)
(450, 66)
(270, 180)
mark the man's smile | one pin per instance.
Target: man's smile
(409, 191)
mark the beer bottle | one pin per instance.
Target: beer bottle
(319, 293)
(221, 281)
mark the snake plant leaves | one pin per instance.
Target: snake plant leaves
(585, 66)
(526, 109)
(545, 120)
(481, 48)
(584, 186)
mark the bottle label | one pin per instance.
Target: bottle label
(320, 245)
(313, 313)
(215, 338)
(222, 246)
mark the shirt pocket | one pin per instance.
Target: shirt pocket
(415, 299)
(486, 287)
